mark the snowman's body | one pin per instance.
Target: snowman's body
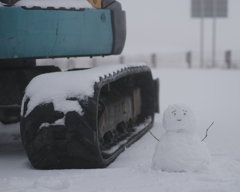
(180, 148)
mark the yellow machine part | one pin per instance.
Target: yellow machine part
(96, 3)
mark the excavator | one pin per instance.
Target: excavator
(82, 117)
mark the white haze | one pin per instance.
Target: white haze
(166, 26)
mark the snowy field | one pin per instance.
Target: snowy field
(214, 95)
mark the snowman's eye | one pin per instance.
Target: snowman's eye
(174, 113)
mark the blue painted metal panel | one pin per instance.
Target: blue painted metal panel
(54, 33)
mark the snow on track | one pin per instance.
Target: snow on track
(59, 86)
(213, 95)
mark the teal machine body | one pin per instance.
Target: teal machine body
(38, 33)
(27, 34)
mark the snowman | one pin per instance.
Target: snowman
(180, 148)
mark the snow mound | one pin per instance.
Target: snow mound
(177, 152)
(180, 148)
(53, 3)
(60, 87)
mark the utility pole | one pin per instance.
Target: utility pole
(202, 35)
(209, 9)
(214, 33)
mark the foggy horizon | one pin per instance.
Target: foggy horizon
(167, 26)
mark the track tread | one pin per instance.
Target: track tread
(80, 148)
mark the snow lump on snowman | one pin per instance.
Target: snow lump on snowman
(180, 148)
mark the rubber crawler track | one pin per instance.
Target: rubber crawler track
(76, 143)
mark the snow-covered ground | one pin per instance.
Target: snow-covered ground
(212, 94)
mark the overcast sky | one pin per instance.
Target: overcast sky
(167, 26)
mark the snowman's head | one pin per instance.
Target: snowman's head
(179, 118)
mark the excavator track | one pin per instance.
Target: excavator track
(97, 124)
